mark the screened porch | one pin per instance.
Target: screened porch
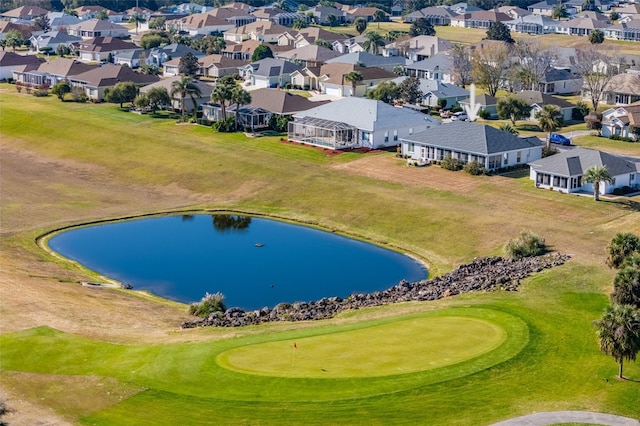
(324, 133)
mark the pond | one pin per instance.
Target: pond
(254, 262)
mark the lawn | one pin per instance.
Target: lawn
(99, 356)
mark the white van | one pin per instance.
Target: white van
(459, 116)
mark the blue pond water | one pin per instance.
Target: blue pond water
(254, 262)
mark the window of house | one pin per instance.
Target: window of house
(410, 130)
(395, 135)
(518, 156)
(410, 147)
(386, 136)
(632, 177)
(366, 136)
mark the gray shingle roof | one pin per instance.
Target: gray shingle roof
(472, 138)
(271, 67)
(576, 161)
(368, 59)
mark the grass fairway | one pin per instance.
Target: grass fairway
(104, 357)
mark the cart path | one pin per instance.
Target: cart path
(552, 417)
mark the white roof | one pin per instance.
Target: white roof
(368, 114)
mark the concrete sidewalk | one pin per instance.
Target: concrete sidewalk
(551, 417)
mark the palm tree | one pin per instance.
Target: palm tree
(374, 40)
(137, 19)
(300, 23)
(360, 24)
(621, 247)
(222, 94)
(508, 128)
(595, 175)
(332, 20)
(626, 287)
(354, 77)
(184, 87)
(379, 16)
(549, 120)
(619, 333)
(240, 97)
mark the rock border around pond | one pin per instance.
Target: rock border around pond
(482, 274)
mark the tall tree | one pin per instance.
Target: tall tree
(373, 42)
(182, 88)
(461, 64)
(596, 36)
(188, 65)
(499, 31)
(387, 92)
(354, 77)
(513, 108)
(421, 26)
(618, 333)
(42, 23)
(559, 11)
(622, 246)
(596, 69)
(300, 23)
(137, 19)
(157, 97)
(240, 97)
(533, 63)
(360, 25)
(379, 16)
(222, 94)
(409, 90)
(596, 175)
(488, 66)
(261, 52)
(13, 39)
(549, 120)
(626, 287)
(125, 91)
(332, 20)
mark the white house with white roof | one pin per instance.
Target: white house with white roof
(357, 122)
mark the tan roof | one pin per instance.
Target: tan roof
(105, 44)
(220, 61)
(259, 27)
(110, 75)
(624, 83)
(167, 83)
(317, 33)
(237, 5)
(228, 12)
(65, 67)
(96, 25)
(91, 9)
(201, 20)
(6, 26)
(336, 70)
(250, 46)
(27, 12)
(310, 52)
(281, 102)
(539, 98)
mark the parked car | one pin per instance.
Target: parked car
(459, 116)
(559, 139)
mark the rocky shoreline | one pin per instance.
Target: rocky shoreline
(483, 274)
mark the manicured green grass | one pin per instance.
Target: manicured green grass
(606, 144)
(550, 360)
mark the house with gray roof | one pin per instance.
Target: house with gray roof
(168, 83)
(417, 48)
(629, 30)
(486, 102)
(95, 81)
(376, 125)
(545, 8)
(560, 82)
(533, 24)
(51, 72)
(435, 91)
(435, 15)
(369, 60)
(563, 171)
(10, 61)
(438, 67)
(537, 100)
(310, 55)
(52, 39)
(467, 142)
(269, 72)
(97, 28)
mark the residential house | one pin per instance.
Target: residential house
(238, 15)
(159, 55)
(434, 15)
(311, 35)
(537, 100)
(438, 67)
(216, 66)
(468, 142)
(131, 58)
(95, 81)
(435, 92)
(309, 55)
(24, 14)
(565, 58)
(622, 89)
(563, 172)
(60, 21)
(629, 30)
(377, 125)
(462, 8)
(330, 79)
(417, 48)
(51, 72)
(545, 8)
(269, 72)
(200, 24)
(278, 16)
(321, 15)
(351, 45)
(483, 19)
(628, 11)
(622, 121)
(99, 48)
(369, 60)
(367, 13)
(245, 50)
(581, 26)
(533, 24)
(89, 12)
(171, 68)
(560, 82)
(22, 28)
(143, 12)
(190, 8)
(579, 5)
(51, 40)
(259, 30)
(514, 12)
(486, 102)
(97, 28)
(10, 61)
(176, 104)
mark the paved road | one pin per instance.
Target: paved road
(551, 417)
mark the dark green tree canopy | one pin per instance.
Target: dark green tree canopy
(188, 64)
(512, 108)
(360, 24)
(409, 90)
(499, 31)
(596, 36)
(622, 246)
(261, 52)
(421, 26)
(122, 92)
